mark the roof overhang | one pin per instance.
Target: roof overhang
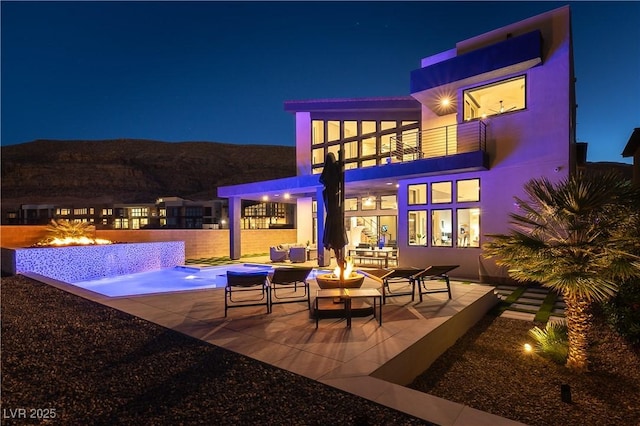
(515, 54)
(404, 103)
(369, 180)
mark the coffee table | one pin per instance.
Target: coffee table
(346, 295)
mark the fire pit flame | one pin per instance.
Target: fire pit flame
(348, 271)
(76, 241)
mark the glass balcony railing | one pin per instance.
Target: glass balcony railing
(438, 142)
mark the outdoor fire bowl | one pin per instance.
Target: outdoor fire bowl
(327, 281)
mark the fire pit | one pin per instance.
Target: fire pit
(351, 279)
(332, 281)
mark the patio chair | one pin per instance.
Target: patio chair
(400, 278)
(284, 286)
(435, 272)
(277, 254)
(246, 289)
(298, 254)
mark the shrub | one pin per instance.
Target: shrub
(622, 312)
(552, 342)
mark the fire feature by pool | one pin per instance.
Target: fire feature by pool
(350, 278)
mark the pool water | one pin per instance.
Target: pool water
(180, 278)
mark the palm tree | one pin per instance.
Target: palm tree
(578, 237)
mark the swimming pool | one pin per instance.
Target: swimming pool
(180, 278)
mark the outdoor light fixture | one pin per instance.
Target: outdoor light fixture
(265, 198)
(445, 101)
(528, 348)
(287, 195)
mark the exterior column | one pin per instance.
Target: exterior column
(235, 214)
(324, 256)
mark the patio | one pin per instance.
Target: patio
(366, 360)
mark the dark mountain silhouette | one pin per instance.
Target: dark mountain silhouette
(133, 170)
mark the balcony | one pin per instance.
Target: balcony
(439, 142)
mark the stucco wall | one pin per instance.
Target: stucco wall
(199, 243)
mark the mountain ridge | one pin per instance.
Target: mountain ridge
(133, 170)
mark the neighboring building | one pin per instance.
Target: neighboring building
(33, 214)
(437, 171)
(171, 212)
(176, 212)
(632, 149)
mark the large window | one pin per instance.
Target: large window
(441, 228)
(496, 98)
(350, 204)
(417, 227)
(440, 192)
(139, 212)
(445, 229)
(418, 194)
(388, 202)
(366, 143)
(468, 190)
(333, 130)
(469, 227)
(317, 132)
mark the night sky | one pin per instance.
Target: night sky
(220, 72)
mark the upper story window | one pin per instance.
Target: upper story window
(365, 143)
(317, 132)
(495, 98)
(139, 212)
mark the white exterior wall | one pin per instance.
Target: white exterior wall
(304, 220)
(522, 145)
(303, 143)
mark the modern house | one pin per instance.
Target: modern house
(436, 171)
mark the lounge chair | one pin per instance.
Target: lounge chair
(436, 272)
(284, 286)
(248, 288)
(400, 278)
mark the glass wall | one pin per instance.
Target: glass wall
(366, 143)
(444, 229)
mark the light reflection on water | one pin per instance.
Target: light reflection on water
(180, 278)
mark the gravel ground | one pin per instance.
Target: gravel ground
(86, 364)
(488, 370)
